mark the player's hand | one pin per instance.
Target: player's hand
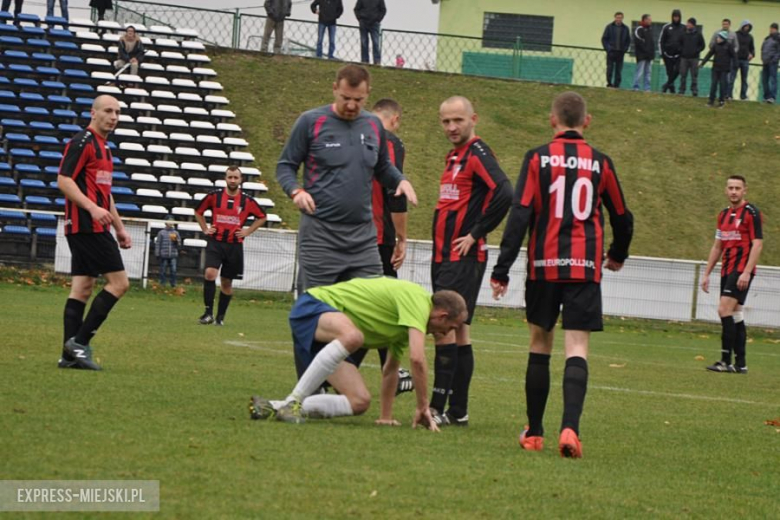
(399, 254)
(405, 188)
(423, 418)
(304, 202)
(705, 284)
(387, 422)
(463, 244)
(210, 230)
(123, 237)
(101, 215)
(612, 265)
(242, 233)
(743, 281)
(499, 288)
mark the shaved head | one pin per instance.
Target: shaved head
(459, 101)
(458, 119)
(105, 115)
(100, 101)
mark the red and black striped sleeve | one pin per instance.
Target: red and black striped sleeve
(620, 218)
(756, 223)
(519, 217)
(206, 204)
(77, 153)
(499, 196)
(252, 208)
(395, 147)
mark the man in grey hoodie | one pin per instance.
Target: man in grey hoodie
(770, 55)
(747, 51)
(732, 40)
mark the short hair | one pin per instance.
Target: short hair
(726, 20)
(234, 168)
(354, 75)
(387, 106)
(450, 302)
(619, 13)
(737, 178)
(570, 108)
(645, 17)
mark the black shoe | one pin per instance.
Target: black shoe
(206, 319)
(220, 321)
(720, 366)
(80, 354)
(405, 383)
(721, 104)
(440, 419)
(738, 370)
(457, 421)
(695, 94)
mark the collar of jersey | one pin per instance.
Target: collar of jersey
(569, 134)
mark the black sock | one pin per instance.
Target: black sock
(727, 338)
(444, 366)
(537, 388)
(382, 356)
(740, 344)
(209, 291)
(98, 312)
(224, 301)
(459, 400)
(575, 385)
(73, 317)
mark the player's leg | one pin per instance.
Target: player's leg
(740, 340)
(729, 300)
(225, 295)
(116, 286)
(232, 269)
(446, 358)
(73, 317)
(213, 263)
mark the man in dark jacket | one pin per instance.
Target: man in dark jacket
(734, 42)
(692, 45)
(746, 52)
(370, 14)
(277, 11)
(329, 12)
(770, 55)
(721, 66)
(644, 50)
(616, 40)
(670, 47)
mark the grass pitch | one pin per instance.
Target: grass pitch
(661, 436)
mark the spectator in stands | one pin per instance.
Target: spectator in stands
(644, 50)
(329, 12)
(747, 50)
(277, 11)
(732, 40)
(670, 47)
(63, 8)
(692, 45)
(400, 61)
(131, 50)
(370, 14)
(166, 249)
(17, 6)
(102, 6)
(721, 65)
(616, 40)
(770, 55)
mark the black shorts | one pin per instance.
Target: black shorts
(464, 277)
(581, 302)
(93, 254)
(228, 256)
(386, 254)
(728, 287)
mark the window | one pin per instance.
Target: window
(501, 30)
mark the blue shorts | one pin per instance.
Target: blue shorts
(304, 317)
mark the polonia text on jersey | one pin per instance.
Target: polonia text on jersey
(572, 162)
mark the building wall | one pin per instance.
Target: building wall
(581, 22)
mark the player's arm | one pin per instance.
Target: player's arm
(121, 233)
(757, 244)
(620, 218)
(399, 252)
(260, 220)
(73, 162)
(205, 204)
(294, 153)
(387, 396)
(419, 369)
(712, 259)
(517, 224)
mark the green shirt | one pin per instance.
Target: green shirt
(383, 309)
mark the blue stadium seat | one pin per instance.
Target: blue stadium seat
(10, 40)
(5, 167)
(34, 42)
(27, 169)
(48, 71)
(56, 85)
(46, 139)
(126, 206)
(42, 126)
(84, 101)
(51, 170)
(31, 97)
(20, 68)
(60, 33)
(6, 17)
(117, 160)
(62, 45)
(121, 190)
(46, 231)
(53, 185)
(55, 20)
(26, 82)
(16, 230)
(85, 115)
(59, 201)
(17, 138)
(75, 73)
(12, 123)
(33, 31)
(43, 56)
(22, 153)
(68, 128)
(119, 176)
(37, 200)
(9, 109)
(7, 95)
(9, 214)
(7, 182)
(17, 55)
(32, 183)
(4, 80)
(54, 98)
(28, 17)
(7, 198)
(81, 87)
(64, 113)
(71, 59)
(53, 156)
(9, 29)
(36, 111)
(43, 217)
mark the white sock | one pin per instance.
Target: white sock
(326, 406)
(277, 404)
(323, 365)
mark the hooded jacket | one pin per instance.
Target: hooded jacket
(671, 41)
(370, 12)
(330, 10)
(692, 44)
(770, 49)
(732, 39)
(746, 45)
(616, 38)
(724, 55)
(278, 10)
(644, 47)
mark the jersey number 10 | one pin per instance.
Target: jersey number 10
(583, 188)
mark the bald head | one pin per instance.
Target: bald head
(458, 120)
(105, 115)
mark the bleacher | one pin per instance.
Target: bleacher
(174, 141)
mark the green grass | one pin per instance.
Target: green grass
(672, 154)
(662, 437)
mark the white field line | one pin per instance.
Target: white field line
(254, 345)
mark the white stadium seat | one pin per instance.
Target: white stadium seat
(210, 85)
(136, 26)
(151, 53)
(200, 71)
(250, 170)
(92, 47)
(102, 76)
(192, 45)
(132, 147)
(182, 150)
(133, 161)
(188, 96)
(195, 242)
(100, 62)
(228, 127)
(185, 212)
(165, 42)
(110, 89)
(178, 69)
(235, 141)
(157, 80)
(142, 177)
(272, 217)
(178, 195)
(109, 24)
(199, 197)
(163, 94)
(182, 137)
(171, 109)
(146, 192)
(205, 125)
(264, 203)
(180, 82)
(199, 181)
(147, 41)
(87, 35)
(130, 78)
(161, 29)
(158, 148)
(153, 134)
(110, 37)
(152, 208)
(192, 227)
(217, 100)
(137, 92)
(200, 58)
(82, 22)
(149, 121)
(209, 139)
(176, 122)
(172, 179)
(183, 31)
(254, 186)
(165, 165)
(220, 183)
(152, 66)
(193, 167)
(242, 156)
(170, 55)
(138, 105)
(127, 132)
(215, 154)
(219, 168)
(126, 119)
(222, 113)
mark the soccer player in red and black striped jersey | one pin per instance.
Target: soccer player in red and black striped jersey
(230, 208)
(739, 238)
(562, 190)
(474, 196)
(85, 180)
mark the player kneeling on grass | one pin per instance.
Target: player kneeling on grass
(332, 322)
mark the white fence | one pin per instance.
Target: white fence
(654, 288)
